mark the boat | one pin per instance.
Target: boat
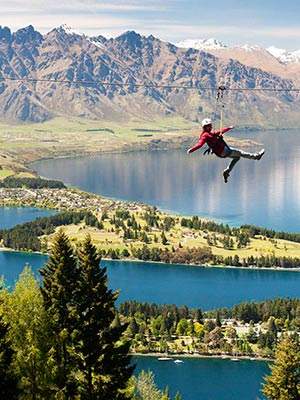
(164, 359)
(178, 361)
(234, 359)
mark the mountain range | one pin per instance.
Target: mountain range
(131, 59)
(284, 56)
(273, 59)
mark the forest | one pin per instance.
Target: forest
(26, 236)
(250, 329)
(30, 183)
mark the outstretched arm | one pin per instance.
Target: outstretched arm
(224, 130)
(200, 143)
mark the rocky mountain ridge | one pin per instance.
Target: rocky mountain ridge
(132, 59)
(283, 55)
(272, 59)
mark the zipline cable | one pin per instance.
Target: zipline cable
(145, 85)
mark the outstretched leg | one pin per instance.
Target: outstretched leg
(226, 172)
(236, 154)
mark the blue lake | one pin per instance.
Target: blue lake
(265, 193)
(11, 216)
(208, 379)
(168, 284)
(205, 379)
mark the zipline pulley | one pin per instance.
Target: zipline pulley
(220, 92)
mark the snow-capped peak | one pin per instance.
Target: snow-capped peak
(201, 44)
(98, 41)
(68, 30)
(249, 48)
(284, 56)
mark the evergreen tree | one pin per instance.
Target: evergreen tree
(24, 309)
(284, 381)
(164, 239)
(143, 387)
(218, 319)
(199, 316)
(8, 380)
(60, 294)
(133, 326)
(102, 355)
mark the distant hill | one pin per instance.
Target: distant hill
(132, 58)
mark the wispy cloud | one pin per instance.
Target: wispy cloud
(181, 31)
(171, 20)
(77, 6)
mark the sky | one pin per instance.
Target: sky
(262, 22)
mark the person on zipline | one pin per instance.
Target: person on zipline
(216, 144)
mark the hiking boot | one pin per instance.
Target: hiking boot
(226, 175)
(260, 154)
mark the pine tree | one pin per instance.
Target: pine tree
(284, 381)
(164, 239)
(144, 387)
(199, 316)
(103, 359)
(133, 326)
(8, 380)
(218, 319)
(60, 294)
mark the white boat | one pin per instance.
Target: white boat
(178, 361)
(234, 359)
(164, 359)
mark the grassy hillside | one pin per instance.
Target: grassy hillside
(111, 238)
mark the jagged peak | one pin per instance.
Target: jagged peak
(5, 34)
(65, 31)
(132, 38)
(129, 34)
(68, 30)
(65, 35)
(98, 41)
(27, 34)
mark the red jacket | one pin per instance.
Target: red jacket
(214, 140)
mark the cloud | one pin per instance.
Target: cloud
(164, 19)
(93, 25)
(182, 31)
(77, 6)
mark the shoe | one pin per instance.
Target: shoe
(226, 175)
(260, 154)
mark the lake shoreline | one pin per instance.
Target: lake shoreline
(134, 260)
(207, 266)
(177, 143)
(202, 356)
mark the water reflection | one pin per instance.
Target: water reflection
(265, 193)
